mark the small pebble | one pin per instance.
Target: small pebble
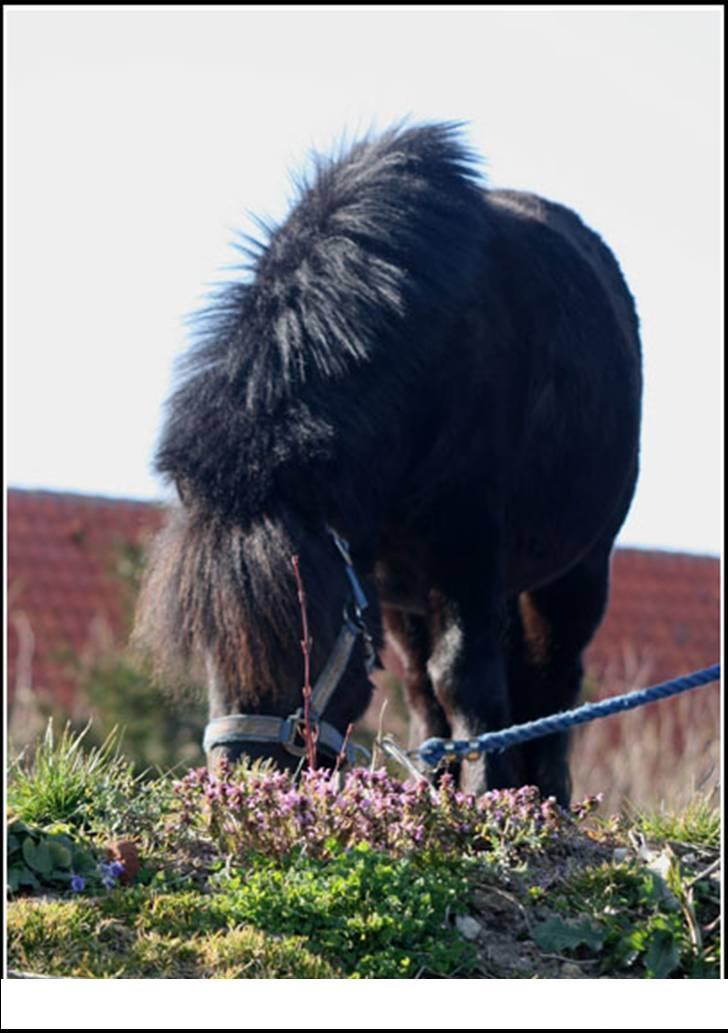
(469, 928)
(569, 971)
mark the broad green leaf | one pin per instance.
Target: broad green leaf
(14, 875)
(82, 861)
(42, 860)
(60, 855)
(663, 954)
(26, 878)
(29, 852)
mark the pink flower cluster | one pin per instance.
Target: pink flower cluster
(272, 814)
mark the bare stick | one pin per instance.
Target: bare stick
(342, 752)
(309, 735)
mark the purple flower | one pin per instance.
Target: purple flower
(110, 872)
(78, 883)
(287, 802)
(274, 812)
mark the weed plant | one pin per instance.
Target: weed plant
(61, 782)
(254, 811)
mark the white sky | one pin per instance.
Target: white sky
(137, 141)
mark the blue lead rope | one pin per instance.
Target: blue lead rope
(433, 751)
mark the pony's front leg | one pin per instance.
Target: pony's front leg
(410, 637)
(468, 671)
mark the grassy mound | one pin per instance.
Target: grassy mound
(253, 874)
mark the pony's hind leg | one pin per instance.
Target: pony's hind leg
(550, 627)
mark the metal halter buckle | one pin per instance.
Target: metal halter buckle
(297, 731)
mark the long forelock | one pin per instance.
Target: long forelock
(214, 592)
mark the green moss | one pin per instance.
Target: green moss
(82, 938)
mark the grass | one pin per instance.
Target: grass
(657, 757)
(253, 876)
(63, 783)
(696, 824)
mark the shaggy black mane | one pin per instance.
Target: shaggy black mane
(377, 252)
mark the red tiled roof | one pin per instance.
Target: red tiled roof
(663, 616)
(62, 592)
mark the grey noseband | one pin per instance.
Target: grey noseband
(289, 731)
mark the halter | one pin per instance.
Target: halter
(289, 731)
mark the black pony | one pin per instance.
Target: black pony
(449, 378)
